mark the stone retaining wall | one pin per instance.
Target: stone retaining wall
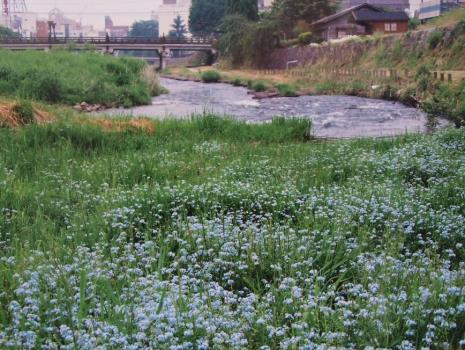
(348, 52)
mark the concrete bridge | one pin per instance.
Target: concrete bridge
(163, 46)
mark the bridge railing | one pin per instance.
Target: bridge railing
(108, 40)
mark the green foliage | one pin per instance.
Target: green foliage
(286, 90)
(234, 41)
(245, 8)
(237, 82)
(423, 78)
(179, 29)
(448, 101)
(329, 87)
(6, 33)
(398, 51)
(413, 23)
(211, 76)
(260, 86)
(289, 12)
(383, 57)
(205, 16)
(435, 38)
(69, 78)
(305, 38)
(148, 29)
(25, 111)
(247, 42)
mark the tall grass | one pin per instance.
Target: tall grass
(69, 78)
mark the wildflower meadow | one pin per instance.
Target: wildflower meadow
(215, 234)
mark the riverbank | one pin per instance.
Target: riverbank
(66, 78)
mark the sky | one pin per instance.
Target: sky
(123, 12)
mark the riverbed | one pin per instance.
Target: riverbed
(332, 116)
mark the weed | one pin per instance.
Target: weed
(210, 76)
(260, 86)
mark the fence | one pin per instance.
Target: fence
(375, 75)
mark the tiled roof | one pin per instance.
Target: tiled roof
(367, 15)
(343, 13)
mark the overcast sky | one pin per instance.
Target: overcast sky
(93, 11)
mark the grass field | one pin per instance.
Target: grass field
(216, 234)
(68, 78)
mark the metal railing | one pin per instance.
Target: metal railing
(108, 40)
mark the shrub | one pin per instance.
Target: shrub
(260, 86)
(423, 78)
(305, 38)
(237, 82)
(413, 23)
(25, 111)
(286, 90)
(49, 88)
(434, 39)
(329, 87)
(210, 76)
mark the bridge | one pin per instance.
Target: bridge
(113, 45)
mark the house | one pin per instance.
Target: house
(364, 19)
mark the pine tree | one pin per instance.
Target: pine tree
(179, 30)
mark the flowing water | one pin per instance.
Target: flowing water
(333, 116)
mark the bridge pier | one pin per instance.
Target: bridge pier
(163, 55)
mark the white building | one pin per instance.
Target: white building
(168, 10)
(265, 4)
(24, 24)
(414, 7)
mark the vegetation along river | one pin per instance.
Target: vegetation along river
(333, 116)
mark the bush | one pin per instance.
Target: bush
(434, 39)
(237, 82)
(413, 23)
(329, 87)
(305, 38)
(260, 86)
(286, 90)
(24, 111)
(210, 76)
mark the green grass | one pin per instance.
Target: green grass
(231, 235)
(210, 76)
(68, 78)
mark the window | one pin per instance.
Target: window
(390, 27)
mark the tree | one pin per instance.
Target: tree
(6, 33)
(179, 30)
(147, 29)
(246, 8)
(205, 16)
(288, 13)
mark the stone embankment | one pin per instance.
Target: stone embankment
(345, 53)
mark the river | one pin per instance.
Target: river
(333, 116)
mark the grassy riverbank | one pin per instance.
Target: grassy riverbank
(214, 233)
(68, 78)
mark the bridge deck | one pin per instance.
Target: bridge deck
(126, 43)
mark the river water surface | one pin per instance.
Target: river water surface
(333, 116)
